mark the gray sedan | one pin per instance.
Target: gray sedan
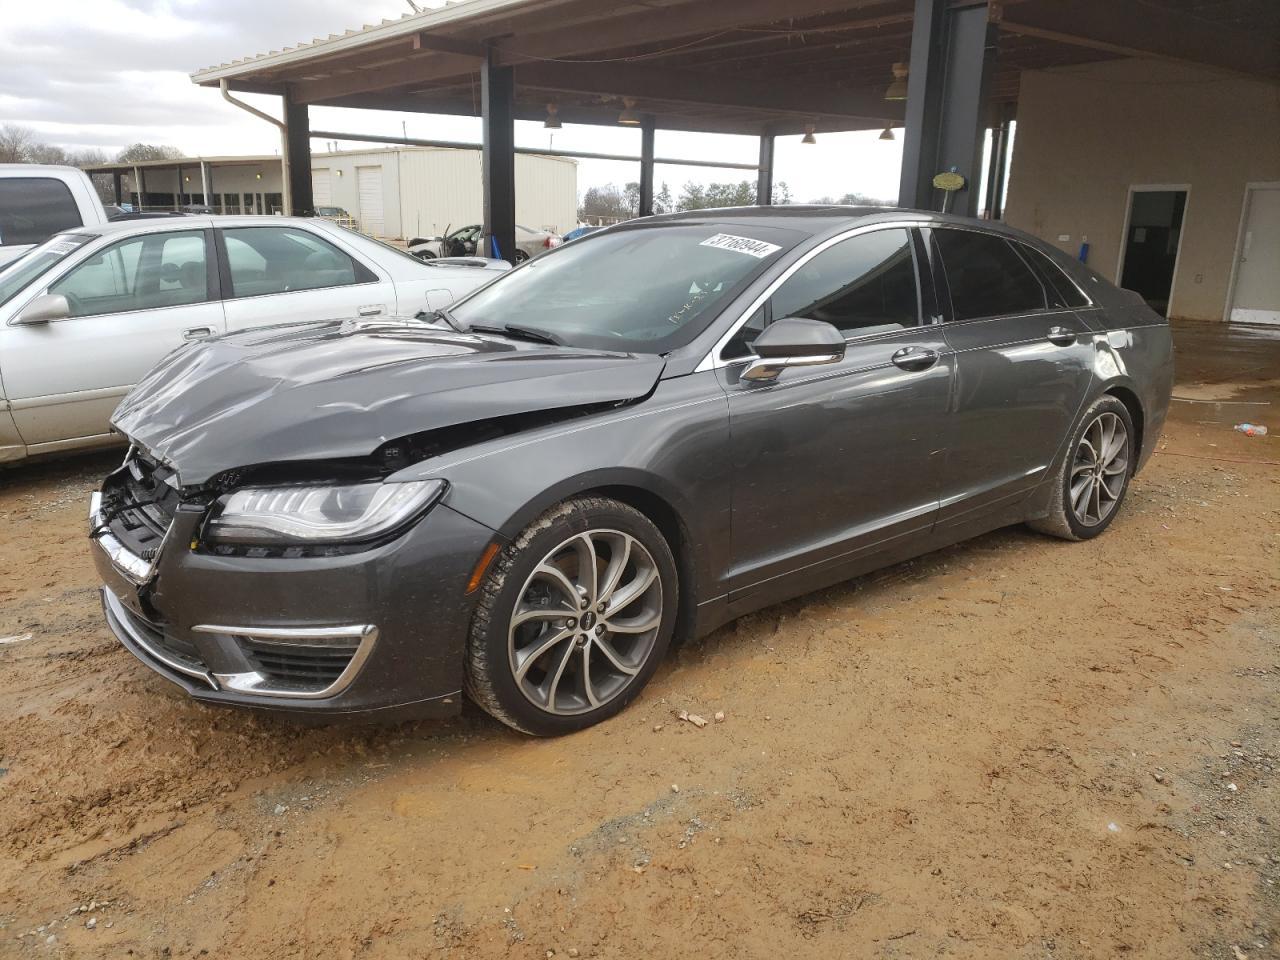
(641, 435)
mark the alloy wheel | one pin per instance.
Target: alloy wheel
(585, 622)
(1100, 470)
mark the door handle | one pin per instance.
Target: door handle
(915, 358)
(372, 310)
(197, 333)
(1061, 336)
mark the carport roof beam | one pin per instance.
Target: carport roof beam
(531, 151)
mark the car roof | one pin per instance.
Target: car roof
(825, 219)
(188, 222)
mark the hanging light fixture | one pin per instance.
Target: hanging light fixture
(898, 89)
(553, 117)
(628, 117)
(887, 132)
(808, 134)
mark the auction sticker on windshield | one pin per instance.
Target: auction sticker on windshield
(754, 248)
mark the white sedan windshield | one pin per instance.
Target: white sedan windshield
(37, 261)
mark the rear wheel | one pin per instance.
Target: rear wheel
(574, 618)
(521, 256)
(1095, 474)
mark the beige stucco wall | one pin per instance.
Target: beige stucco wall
(1086, 134)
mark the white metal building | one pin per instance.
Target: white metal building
(393, 192)
(407, 192)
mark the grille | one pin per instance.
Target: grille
(313, 666)
(175, 648)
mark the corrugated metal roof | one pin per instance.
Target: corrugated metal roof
(456, 13)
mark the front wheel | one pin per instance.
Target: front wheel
(1095, 474)
(573, 619)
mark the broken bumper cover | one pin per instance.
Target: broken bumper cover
(377, 634)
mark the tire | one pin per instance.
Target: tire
(521, 256)
(1103, 494)
(423, 254)
(557, 669)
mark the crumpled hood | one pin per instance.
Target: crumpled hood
(342, 388)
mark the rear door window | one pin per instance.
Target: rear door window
(986, 276)
(268, 260)
(32, 209)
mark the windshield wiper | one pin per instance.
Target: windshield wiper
(444, 314)
(520, 331)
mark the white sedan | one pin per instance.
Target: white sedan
(86, 313)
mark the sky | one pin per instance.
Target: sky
(107, 73)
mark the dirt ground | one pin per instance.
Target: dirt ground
(1014, 748)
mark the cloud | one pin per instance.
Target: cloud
(104, 72)
(107, 73)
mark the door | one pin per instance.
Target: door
(321, 188)
(369, 183)
(1153, 235)
(131, 304)
(1023, 365)
(277, 274)
(838, 461)
(1256, 296)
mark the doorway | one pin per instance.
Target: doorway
(1152, 238)
(1255, 289)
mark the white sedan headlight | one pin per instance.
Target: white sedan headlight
(320, 513)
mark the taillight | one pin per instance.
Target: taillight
(552, 242)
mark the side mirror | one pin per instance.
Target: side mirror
(793, 342)
(44, 308)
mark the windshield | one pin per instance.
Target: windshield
(643, 289)
(15, 277)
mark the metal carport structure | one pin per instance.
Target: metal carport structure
(759, 67)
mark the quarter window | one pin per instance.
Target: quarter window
(863, 285)
(986, 276)
(266, 260)
(1062, 292)
(32, 209)
(142, 273)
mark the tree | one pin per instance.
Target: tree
(142, 152)
(16, 143)
(606, 203)
(695, 196)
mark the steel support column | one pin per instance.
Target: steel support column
(764, 176)
(206, 184)
(299, 200)
(647, 126)
(953, 51)
(138, 187)
(999, 163)
(497, 117)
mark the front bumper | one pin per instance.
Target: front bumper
(380, 633)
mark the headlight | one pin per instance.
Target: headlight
(328, 513)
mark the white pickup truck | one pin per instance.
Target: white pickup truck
(38, 201)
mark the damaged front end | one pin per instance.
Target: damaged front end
(262, 544)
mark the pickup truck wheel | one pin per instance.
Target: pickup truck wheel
(574, 617)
